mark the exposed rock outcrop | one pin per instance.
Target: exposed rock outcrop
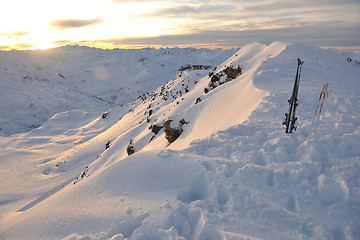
(224, 76)
(155, 128)
(233, 73)
(130, 148)
(193, 67)
(171, 132)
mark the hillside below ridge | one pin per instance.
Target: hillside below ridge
(37, 84)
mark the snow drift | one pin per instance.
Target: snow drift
(230, 173)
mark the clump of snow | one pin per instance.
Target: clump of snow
(232, 173)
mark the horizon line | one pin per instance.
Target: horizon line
(158, 46)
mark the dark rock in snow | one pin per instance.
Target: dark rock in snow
(198, 100)
(130, 148)
(107, 145)
(155, 128)
(218, 78)
(193, 67)
(105, 115)
(233, 73)
(171, 134)
(183, 122)
(214, 80)
(61, 75)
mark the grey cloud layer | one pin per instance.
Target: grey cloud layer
(74, 23)
(238, 22)
(307, 34)
(328, 22)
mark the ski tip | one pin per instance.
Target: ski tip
(300, 62)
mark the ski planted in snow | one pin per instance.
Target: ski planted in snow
(323, 96)
(290, 118)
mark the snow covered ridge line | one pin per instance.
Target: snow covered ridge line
(38, 84)
(232, 173)
(180, 111)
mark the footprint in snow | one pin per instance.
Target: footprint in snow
(208, 166)
(271, 179)
(198, 190)
(292, 204)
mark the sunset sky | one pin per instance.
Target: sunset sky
(33, 24)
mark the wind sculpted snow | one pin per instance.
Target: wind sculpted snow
(232, 173)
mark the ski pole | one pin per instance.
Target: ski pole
(323, 96)
(317, 107)
(317, 122)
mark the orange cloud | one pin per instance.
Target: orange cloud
(15, 33)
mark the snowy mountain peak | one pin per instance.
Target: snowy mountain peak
(203, 155)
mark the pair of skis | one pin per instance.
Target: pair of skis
(323, 96)
(290, 118)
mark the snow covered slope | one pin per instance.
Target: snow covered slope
(35, 85)
(230, 173)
